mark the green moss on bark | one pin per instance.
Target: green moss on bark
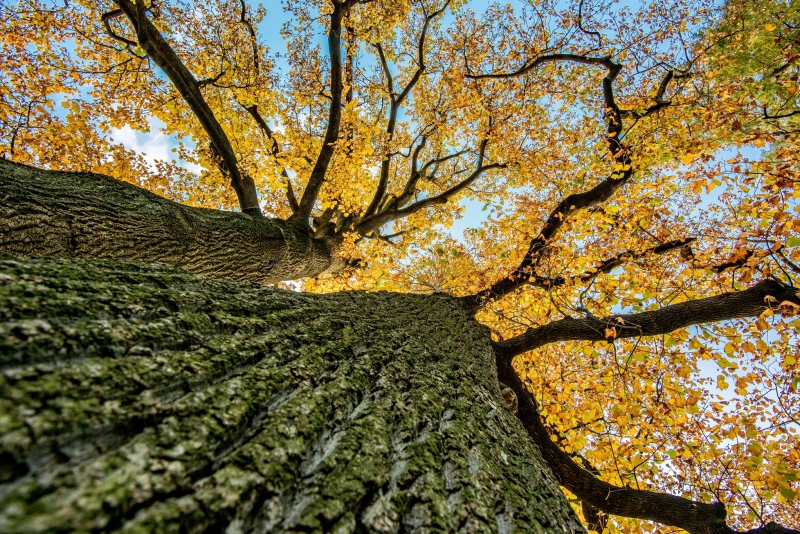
(140, 398)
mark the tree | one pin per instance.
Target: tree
(578, 117)
(177, 403)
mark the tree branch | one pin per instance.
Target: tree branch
(151, 40)
(779, 115)
(659, 97)
(249, 25)
(417, 174)
(210, 81)
(767, 294)
(106, 19)
(275, 150)
(587, 32)
(395, 104)
(574, 202)
(394, 210)
(551, 58)
(609, 264)
(693, 516)
(386, 71)
(320, 168)
(392, 214)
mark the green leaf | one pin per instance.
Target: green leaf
(793, 242)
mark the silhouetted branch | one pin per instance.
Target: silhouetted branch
(693, 516)
(395, 103)
(767, 294)
(780, 115)
(658, 97)
(572, 203)
(587, 32)
(210, 81)
(106, 19)
(608, 264)
(393, 210)
(576, 201)
(249, 25)
(320, 168)
(551, 58)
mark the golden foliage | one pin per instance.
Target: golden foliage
(711, 412)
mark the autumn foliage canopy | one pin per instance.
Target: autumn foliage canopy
(612, 158)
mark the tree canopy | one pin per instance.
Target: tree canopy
(639, 245)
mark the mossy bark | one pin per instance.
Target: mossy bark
(140, 398)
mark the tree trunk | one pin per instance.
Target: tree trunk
(141, 398)
(52, 213)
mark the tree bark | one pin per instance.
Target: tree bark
(139, 397)
(51, 213)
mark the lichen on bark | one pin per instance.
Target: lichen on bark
(140, 398)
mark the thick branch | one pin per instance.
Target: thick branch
(550, 58)
(151, 40)
(320, 169)
(693, 516)
(416, 174)
(767, 294)
(79, 215)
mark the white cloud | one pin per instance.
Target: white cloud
(153, 145)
